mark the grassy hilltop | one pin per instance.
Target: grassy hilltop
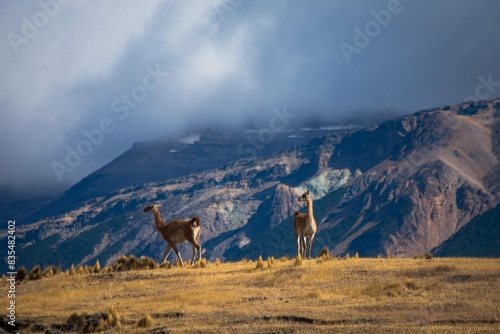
(324, 295)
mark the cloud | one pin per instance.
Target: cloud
(227, 61)
(39, 94)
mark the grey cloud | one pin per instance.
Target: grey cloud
(224, 68)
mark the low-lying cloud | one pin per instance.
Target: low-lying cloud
(87, 79)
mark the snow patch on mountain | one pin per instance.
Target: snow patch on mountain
(191, 139)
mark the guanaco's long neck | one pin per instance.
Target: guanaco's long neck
(157, 217)
(310, 209)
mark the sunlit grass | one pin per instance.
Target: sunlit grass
(347, 295)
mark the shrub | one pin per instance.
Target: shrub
(97, 322)
(85, 323)
(324, 255)
(324, 252)
(21, 274)
(122, 260)
(120, 264)
(35, 273)
(147, 263)
(76, 322)
(132, 263)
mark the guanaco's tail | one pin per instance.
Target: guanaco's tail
(297, 213)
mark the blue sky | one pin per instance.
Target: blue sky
(112, 72)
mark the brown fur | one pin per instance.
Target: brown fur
(304, 226)
(176, 232)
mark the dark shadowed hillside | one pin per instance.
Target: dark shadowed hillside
(479, 238)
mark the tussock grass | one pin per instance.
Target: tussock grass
(201, 263)
(72, 271)
(48, 272)
(35, 273)
(298, 261)
(270, 262)
(86, 323)
(97, 267)
(324, 252)
(357, 296)
(260, 263)
(113, 318)
(324, 256)
(145, 321)
(93, 323)
(166, 265)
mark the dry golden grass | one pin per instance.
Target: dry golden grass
(331, 295)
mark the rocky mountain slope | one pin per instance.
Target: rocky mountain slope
(402, 187)
(439, 171)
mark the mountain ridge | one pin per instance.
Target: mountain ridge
(402, 187)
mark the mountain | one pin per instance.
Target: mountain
(479, 238)
(420, 179)
(162, 160)
(403, 187)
